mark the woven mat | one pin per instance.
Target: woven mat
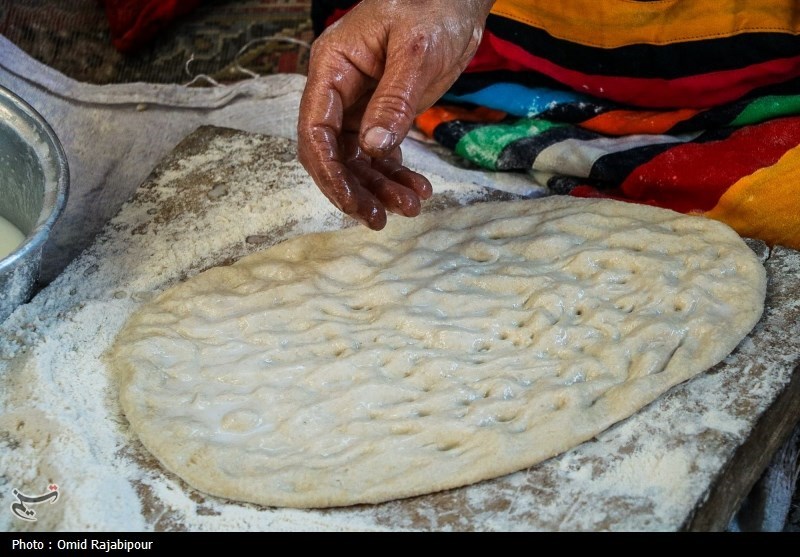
(73, 38)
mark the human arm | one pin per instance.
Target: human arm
(369, 75)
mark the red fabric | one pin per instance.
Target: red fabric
(697, 91)
(691, 178)
(682, 178)
(134, 22)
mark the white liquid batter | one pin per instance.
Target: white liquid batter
(10, 237)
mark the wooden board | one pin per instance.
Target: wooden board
(684, 462)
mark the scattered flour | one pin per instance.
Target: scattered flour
(60, 421)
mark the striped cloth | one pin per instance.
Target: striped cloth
(692, 105)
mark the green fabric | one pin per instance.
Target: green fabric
(765, 108)
(483, 145)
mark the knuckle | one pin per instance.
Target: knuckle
(419, 44)
(319, 49)
(395, 100)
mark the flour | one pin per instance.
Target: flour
(61, 422)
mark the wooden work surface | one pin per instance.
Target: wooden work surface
(684, 462)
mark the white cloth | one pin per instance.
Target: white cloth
(114, 135)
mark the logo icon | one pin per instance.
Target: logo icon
(20, 509)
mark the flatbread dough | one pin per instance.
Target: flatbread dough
(358, 367)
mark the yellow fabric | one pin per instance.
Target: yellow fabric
(765, 204)
(613, 23)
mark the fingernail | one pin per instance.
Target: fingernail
(379, 138)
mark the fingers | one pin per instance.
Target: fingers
(372, 80)
(332, 85)
(426, 51)
(343, 188)
(393, 196)
(397, 188)
(393, 106)
(360, 187)
(399, 174)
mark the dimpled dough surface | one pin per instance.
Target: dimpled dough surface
(357, 367)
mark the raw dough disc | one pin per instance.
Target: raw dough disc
(357, 367)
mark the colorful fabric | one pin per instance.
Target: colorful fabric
(687, 105)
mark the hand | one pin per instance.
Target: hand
(369, 75)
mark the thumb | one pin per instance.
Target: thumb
(396, 99)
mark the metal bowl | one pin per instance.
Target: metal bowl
(34, 181)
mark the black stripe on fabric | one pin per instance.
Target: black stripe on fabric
(475, 81)
(725, 114)
(614, 168)
(575, 113)
(790, 87)
(715, 134)
(520, 154)
(563, 185)
(668, 61)
(712, 118)
(448, 134)
(571, 113)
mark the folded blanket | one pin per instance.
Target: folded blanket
(738, 163)
(692, 106)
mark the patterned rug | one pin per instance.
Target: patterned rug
(73, 37)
